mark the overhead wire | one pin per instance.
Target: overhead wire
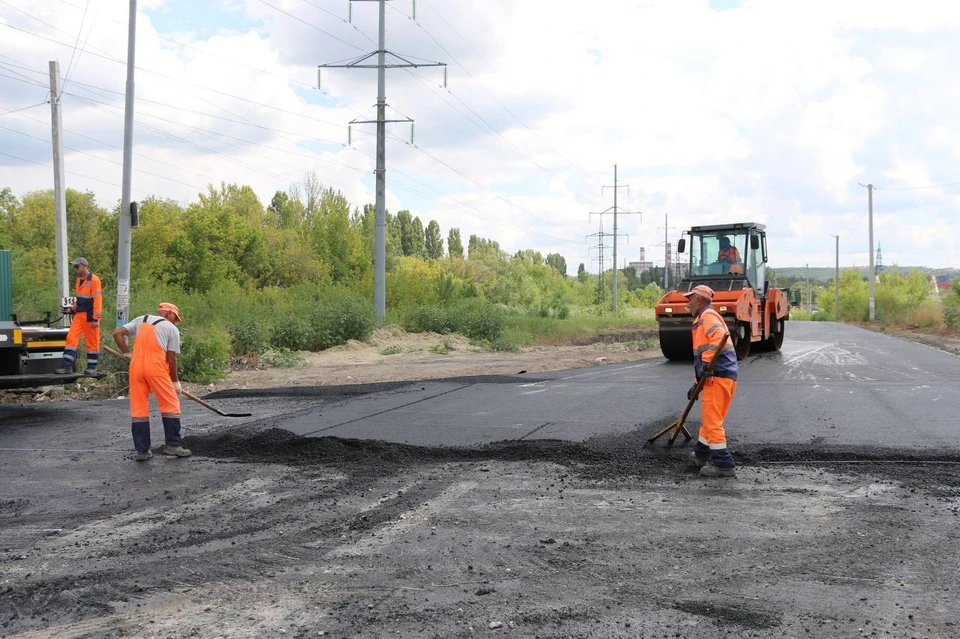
(47, 166)
(502, 105)
(66, 76)
(87, 153)
(180, 81)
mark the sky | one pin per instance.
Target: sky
(712, 111)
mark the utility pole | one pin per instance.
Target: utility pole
(666, 252)
(600, 246)
(809, 292)
(123, 246)
(615, 211)
(59, 184)
(871, 273)
(380, 236)
(836, 284)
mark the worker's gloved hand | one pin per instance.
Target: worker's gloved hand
(706, 373)
(692, 391)
(96, 323)
(179, 387)
(128, 356)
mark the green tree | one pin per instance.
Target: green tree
(433, 241)
(454, 243)
(286, 211)
(418, 238)
(557, 261)
(8, 205)
(582, 273)
(151, 249)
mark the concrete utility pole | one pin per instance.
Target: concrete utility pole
(836, 284)
(615, 212)
(59, 185)
(871, 274)
(123, 245)
(380, 236)
(809, 292)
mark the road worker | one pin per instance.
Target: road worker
(729, 256)
(711, 454)
(153, 368)
(86, 319)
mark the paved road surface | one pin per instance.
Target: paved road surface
(831, 385)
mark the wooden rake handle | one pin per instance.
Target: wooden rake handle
(185, 393)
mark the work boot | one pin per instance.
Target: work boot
(175, 451)
(144, 455)
(63, 371)
(698, 461)
(712, 470)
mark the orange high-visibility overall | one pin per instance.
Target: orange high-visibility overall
(718, 390)
(87, 312)
(150, 372)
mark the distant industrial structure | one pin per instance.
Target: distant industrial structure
(642, 265)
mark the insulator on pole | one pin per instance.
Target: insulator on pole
(350, 13)
(349, 135)
(411, 133)
(414, 10)
(444, 76)
(319, 79)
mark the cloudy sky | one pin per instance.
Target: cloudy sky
(713, 111)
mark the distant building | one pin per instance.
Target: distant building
(642, 265)
(943, 282)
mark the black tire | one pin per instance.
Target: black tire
(741, 340)
(776, 340)
(676, 345)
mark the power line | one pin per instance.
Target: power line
(32, 106)
(916, 188)
(47, 166)
(178, 81)
(47, 141)
(312, 26)
(66, 76)
(502, 105)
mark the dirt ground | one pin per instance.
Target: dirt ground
(392, 354)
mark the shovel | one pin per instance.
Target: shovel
(678, 426)
(186, 393)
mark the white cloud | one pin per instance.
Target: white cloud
(770, 112)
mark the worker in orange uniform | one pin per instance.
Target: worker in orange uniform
(153, 368)
(711, 454)
(729, 256)
(86, 319)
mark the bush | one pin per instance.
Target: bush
(951, 306)
(338, 319)
(475, 318)
(283, 358)
(291, 332)
(248, 336)
(204, 356)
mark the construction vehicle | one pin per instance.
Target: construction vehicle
(731, 259)
(30, 351)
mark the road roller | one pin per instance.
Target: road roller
(731, 259)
